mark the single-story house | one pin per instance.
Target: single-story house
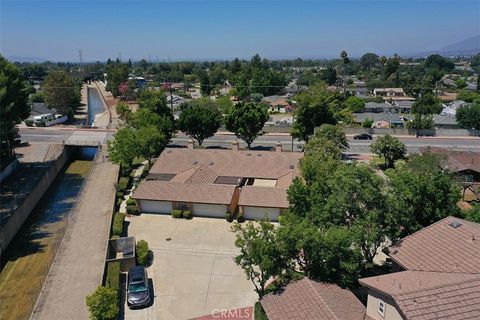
(445, 121)
(308, 299)
(281, 105)
(212, 182)
(377, 107)
(381, 120)
(389, 92)
(358, 91)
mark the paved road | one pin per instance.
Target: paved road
(59, 135)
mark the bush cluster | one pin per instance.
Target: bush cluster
(123, 184)
(229, 216)
(117, 227)
(29, 122)
(187, 214)
(240, 217)
(132, 209)
(103, 304)
(131, 202)
(177, 213)
(142, 252)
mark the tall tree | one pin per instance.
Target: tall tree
(61, 92)
(200, 123)
(155, 101)
(468, 117)
(314, 109)
(246, 120)
(13, 105)
(117, 73)
(390, 148)
(150, 142)
(369, 60)
(261, 256)
(346, 61)
(123, 148)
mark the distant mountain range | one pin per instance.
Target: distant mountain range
(26, 59)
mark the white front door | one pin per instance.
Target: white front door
(209, 210)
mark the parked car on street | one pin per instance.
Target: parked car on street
(138, 290)
(363, 136)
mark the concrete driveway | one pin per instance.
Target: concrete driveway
(193, 273)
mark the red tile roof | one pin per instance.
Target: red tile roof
(423, 295)
(440, 247)
(268, 197)
(308, 299)
(184, 192)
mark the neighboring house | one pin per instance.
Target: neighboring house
(212, 182)
(39, 108)
(358, 91)
(377, 107)
(402, 106)
(392, 94)
(466, 167)
(381, 120)
(445, 121)
(140, 82)
(281, 105)
(307, 299)
(389, 92)
(438, 275)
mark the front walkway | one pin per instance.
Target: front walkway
(78, 267)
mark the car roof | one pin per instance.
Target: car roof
(137, 271)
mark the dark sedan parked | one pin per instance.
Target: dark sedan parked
(363, 136)
(138, 291)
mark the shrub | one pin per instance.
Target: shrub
(120, 195)
(187, 214)
(177, 213)
(113, 275)
(123, 184)
(29, 122)
(229, 216)
(103, 304)
(240, 217)
(117, 227)
(132, 209)
(131, 202)
(40, 123)
(145, 171)
(142, 252)
(119, 203)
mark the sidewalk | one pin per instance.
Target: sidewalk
(78, 268)
(135, 178)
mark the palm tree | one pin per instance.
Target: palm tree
(346, 60)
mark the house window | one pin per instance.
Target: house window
(381, 308)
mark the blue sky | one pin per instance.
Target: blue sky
(199, 29)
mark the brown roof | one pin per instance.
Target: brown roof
(460, 160)
(441, 247)
(280, 102)
(251, 164)
(307, 299)
(263, 197)
(184, 192)
(421, 295)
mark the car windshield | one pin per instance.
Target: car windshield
(137, 287)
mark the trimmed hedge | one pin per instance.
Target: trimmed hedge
(29, 122)
(131, 202)
(142, 252)
(119, 203)
(177, 213)
(187, 214)
(240, 217)
(132, 209)
(113, 275)
(117, 227)
(123, 183)
(229, 216)
(119, 195)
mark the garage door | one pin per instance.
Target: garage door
(209, 210)
(150, 206)
(258, 213)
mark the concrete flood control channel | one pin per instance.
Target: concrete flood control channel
(28, 258)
